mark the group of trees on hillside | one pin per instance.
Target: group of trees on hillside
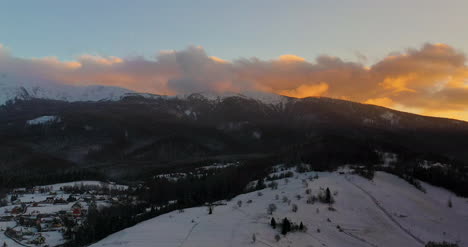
(162, 195)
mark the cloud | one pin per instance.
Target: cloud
(432, 79)
(306, 90)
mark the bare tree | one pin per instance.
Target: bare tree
(271, 208)
(277, 237)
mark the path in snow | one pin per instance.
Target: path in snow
(188, 234)
(389, 216)
(359, 238)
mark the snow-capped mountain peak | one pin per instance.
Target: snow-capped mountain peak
(266, 98)
(11, 91)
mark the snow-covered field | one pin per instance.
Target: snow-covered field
(384, 212)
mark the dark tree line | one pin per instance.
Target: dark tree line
(30, 177)
(453, 175)
(193, 190)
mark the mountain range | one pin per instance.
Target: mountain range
(113, 128)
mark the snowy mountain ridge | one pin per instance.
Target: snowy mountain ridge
(11, 91)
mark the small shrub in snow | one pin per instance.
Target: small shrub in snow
(294, 208)
(276, 197)
(259, 193)
(254, 238)
(308, 191)
(302, 168)
(249, 201)
(449, 203)
(271, 208)
(239, 203)
(339, 228)
(311, 199)
(285, 199)
(273, 185)
(298, 197)
(277, 237)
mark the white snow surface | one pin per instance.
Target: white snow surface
(11, 91)
(43, 120)
(266, 98)
(384, 212)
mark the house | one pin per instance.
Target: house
(60, 201)
(17, 210)
(38, 240)
(20, 190)
(77, 209)
(28, 221)
(50, 199)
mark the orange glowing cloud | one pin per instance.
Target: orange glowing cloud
(431, 80)
(304, 91)
(291, 58)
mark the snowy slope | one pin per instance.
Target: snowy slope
(266, 98)
(11, 91)
(384, 212)
(43, 120)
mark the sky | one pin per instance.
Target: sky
(406, 55)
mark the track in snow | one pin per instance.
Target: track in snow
(389, 216)
(188, 234)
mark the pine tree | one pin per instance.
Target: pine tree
(327, 196)
(301, 226)
(273, 223)
(286, 226)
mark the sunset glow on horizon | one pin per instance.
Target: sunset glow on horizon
(403, 55)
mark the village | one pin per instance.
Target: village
(48, 215)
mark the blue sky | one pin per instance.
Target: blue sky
(349, 49)
(230, 29)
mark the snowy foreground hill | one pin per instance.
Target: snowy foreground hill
(384, 212)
